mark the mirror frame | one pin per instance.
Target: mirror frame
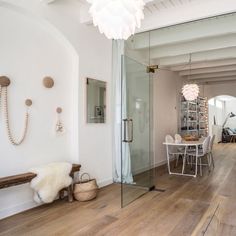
(86, 101)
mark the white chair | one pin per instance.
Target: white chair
(169, 139)
(172, 150)
(178, 139)
(199, 153)
(210, 149)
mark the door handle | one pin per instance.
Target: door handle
(128, 130)
(131, 130)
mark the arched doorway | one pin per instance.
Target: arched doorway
(221, 118)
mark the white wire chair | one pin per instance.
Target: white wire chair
(210, 154)
(173, 151)
(200, 153)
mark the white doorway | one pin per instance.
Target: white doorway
(221, 117)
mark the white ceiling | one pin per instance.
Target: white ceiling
(156, 6)
(211, 43)
(159, 13)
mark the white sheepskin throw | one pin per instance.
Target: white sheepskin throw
(50, 180)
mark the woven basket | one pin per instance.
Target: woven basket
(85, 190)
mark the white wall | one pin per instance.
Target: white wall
(26, 61)
(216, 108)
(230, 106)
(166, 91)
(29, 52)
(217, 89)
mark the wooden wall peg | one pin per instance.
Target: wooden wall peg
(4, 81)
(28, 102)
(59, 110)
(48, 82)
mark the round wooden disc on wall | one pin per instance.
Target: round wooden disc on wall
(4, 81)
(48, 82)
(28, 102)
(59, 110)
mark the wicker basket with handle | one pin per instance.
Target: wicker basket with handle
(85, 190)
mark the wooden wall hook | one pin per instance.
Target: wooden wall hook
(59, 110)
(48, 82)
(28, 102)
(4, 81)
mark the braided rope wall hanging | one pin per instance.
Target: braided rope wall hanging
(4, 83)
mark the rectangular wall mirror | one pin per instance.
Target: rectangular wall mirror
(96, 101)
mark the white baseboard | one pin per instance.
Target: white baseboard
(161, 163)
(17, 209)
(143, 169)
(105, 182)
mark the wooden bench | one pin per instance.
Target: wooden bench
(14, 180)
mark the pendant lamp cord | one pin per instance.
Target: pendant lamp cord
(190, 66)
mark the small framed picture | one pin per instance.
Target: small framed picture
(98, 111)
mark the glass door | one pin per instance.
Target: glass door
(137, 176)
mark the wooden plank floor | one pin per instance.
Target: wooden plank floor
(189, 206)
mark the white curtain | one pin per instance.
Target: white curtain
(121, 149)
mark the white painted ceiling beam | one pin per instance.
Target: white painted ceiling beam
(212, 75)
(219, 79)
(219, 54)
(205, 64)
(223, 79)
(208, 70)
(200, 45)
(198, 9)
(189, 31)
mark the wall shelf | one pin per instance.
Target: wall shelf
(192, 114)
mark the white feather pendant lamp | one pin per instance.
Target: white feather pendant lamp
(117, 19)
(190, 91)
